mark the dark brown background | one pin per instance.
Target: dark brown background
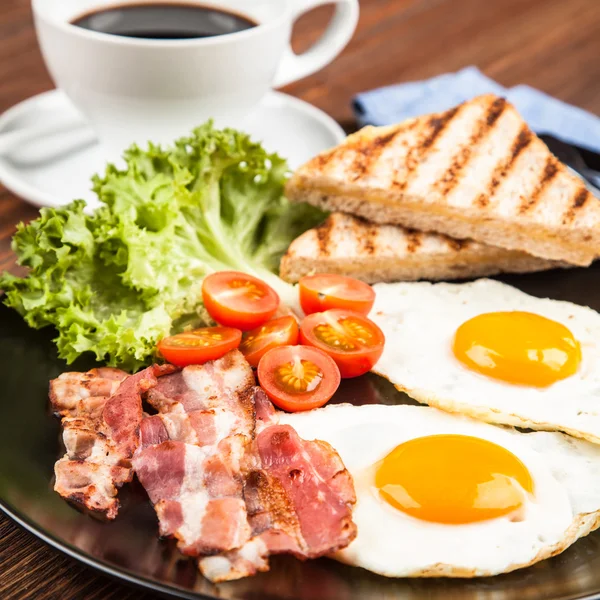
(553, 45)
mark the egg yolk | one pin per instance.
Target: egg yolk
(453, 479)
(518, 347)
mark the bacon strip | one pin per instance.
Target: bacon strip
(100, 433)
(190, 459)
(75, 394)
(299, 498)
(197, 493)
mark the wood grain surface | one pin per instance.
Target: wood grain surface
(553, 45)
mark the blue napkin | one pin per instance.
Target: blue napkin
(543, 113)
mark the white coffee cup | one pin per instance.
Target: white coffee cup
(135, 89)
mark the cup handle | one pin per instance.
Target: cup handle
(337, 35)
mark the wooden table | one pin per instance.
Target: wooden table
(553, 45)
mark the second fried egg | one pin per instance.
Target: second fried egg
(445, 495)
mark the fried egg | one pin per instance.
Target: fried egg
(445, 495)
(492, 352)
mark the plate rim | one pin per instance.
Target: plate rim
(121, 574)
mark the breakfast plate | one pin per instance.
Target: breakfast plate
(128, 547)
(235, 481)
(54, 169)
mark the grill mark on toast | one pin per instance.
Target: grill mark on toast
(413, 240)
(366, 236)
(438, 124)
(549, 172)
(579, 199)
(371, 239)
(321, 161)
(367, 154)
(484, 127)
(323, 232)
(417, 153)
(523, 139)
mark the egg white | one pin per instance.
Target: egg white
(419, 321)
(565, 472)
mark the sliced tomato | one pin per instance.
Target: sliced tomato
(298, 377)
(277, 332)
(324, 292)
(238, 300)
(354, 342)
(199, 345)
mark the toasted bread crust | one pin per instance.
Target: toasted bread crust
(476, 172)
(351, 246)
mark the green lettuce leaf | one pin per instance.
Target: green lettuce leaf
(115, 281)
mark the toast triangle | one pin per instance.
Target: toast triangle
(350, 246)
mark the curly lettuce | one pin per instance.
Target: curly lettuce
(115, 281)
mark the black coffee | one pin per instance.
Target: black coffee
(168, 21)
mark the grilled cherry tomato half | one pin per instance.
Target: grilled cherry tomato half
(238, 300)
(354, 342)
(277, 332)
(324, 292)
(298, 377)
(199, 345)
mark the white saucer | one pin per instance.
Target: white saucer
(287, 125)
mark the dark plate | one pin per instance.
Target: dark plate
(129, 548)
